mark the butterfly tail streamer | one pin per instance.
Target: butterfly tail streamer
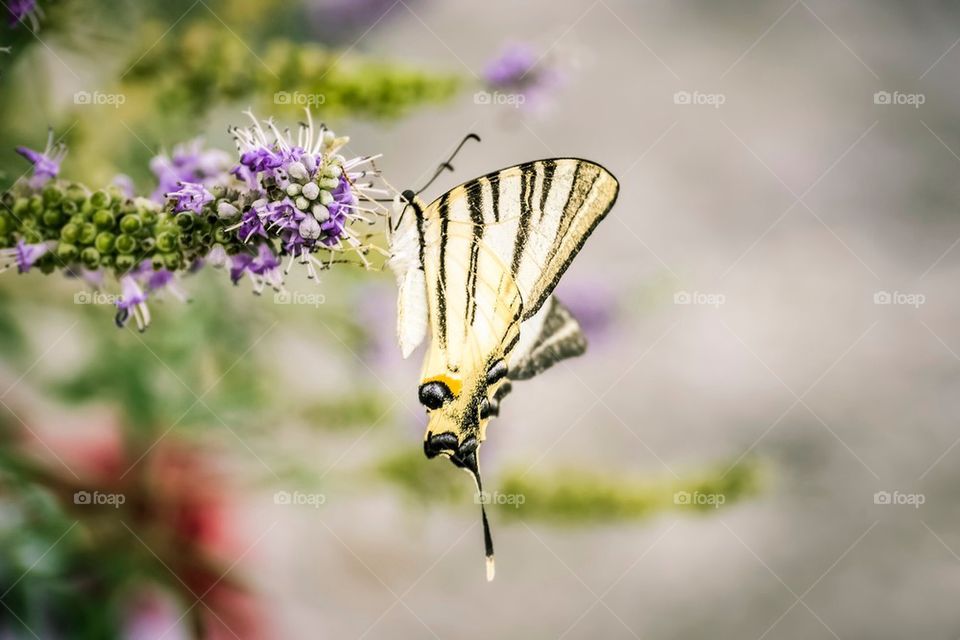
(472, 467)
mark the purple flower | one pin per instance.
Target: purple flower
(190, 197)
(132, 302)
(24, 255)
(46, 164)
(20, 10)
(190, 162)
(239, 264)
(125, 184)
(519, 70)
(264, 268)
(513, 66)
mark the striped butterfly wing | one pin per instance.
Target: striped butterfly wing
(497, 246)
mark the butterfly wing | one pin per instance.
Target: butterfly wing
(523, 224)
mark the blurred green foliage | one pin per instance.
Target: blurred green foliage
(576, 495)
(206, 65)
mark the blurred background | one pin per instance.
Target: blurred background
(761, 441)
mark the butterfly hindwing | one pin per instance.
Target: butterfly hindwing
(559, 337)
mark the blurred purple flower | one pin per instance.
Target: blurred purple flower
(46, 164)
(24, 255)
(520, 70)
(132, 302)
(191, 196)
(263, 268)
(125, 184)
(189, 162)
(22, 10)
(593, 304)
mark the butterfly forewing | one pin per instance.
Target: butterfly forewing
(526, 221)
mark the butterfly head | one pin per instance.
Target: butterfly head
(456, 426)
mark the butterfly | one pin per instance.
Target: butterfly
(478, 266)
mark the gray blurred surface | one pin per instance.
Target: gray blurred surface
(797, 200)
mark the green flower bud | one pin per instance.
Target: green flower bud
(221, 235)
(67, 252)
(147, 244)
(185, 220)
(52, 194)
(157, 262)
(104, 242)
(100, 199)
(20, 207)
(130, 223)
(107, 260)
(172, 261)
(166, 241)
(124, 263)
(293, 189)
(52, 218)
(302, 203)
(78, 219)
(36, 205)
(88, 233)
(70, 232)
(125, 244)
(76, 194)
(148, 216)
(328, 183)
(69, 207)
(104, 219)
(90, 257)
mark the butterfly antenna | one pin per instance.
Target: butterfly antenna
(446, 165)
(472, 466)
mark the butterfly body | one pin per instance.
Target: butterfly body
(477, 266)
